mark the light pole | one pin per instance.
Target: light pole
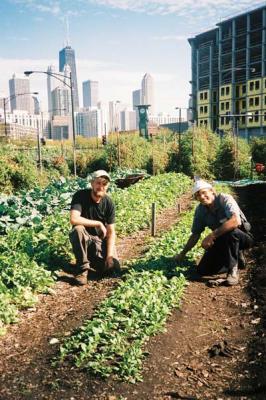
(179, 132)
(235, 127)
(179, 128)
(7, 99)
(69, 85)
(39, 149)
(117, 133)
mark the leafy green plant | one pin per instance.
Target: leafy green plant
(113, 341)
(233, 159)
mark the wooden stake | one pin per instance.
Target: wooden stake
(153, 219)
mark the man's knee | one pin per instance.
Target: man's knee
(79, 229)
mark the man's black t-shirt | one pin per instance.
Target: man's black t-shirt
(103, 211)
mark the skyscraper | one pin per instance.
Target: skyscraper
(136, 98)
(60, 96)
(229, 75)
(147, 90)
(60, 101)
(17, 86)
(90, 93)
(136, 101)
(67, 57)
(51, 85)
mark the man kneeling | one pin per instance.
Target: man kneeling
(92, 216)
(229, 236)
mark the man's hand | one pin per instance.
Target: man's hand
(109, 262)
(208, 241)
(179, 257)
(102, 230)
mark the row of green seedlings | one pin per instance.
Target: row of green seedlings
(29, 206)
(113, 341)
(30, 256)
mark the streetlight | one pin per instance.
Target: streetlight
(179, 126)
(7, 99)
(69, 85)
(116, 123)
(235, 134)
(179, 132)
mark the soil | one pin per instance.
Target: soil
(214, 347)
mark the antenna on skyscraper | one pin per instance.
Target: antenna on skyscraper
(67, 30)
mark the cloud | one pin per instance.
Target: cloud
(17, 38)
(211, 10)
(51, 9)
(43, 6)
(170, 37)
(185, 7)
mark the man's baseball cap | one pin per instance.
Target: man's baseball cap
(200, 184)
(100, 174)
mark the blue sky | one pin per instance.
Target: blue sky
(116, 42)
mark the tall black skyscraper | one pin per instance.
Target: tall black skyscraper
(67, 56)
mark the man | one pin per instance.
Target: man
(92, 216)
(229, 236)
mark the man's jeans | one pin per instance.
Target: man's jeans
(223, 255)
(90, 249)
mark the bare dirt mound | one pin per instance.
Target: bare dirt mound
(214, 347)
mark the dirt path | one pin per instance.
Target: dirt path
(25, 351)
(179, 365)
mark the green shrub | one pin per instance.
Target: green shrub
(197, 153)
(233, 159)
(258, 151)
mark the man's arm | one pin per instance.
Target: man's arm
(110, 236)
(229, 225)
(76, 219)
(192, 241)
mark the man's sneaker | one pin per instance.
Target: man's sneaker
(233, 277)
(82, 278)
(241, 260)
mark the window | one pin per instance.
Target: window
(222, 120)
(257, 101)
(257, 85)
(256, 117)
(251, 86)
(265, 100)
(227, 90)
(222, 106)
(205, 95)
(205, 109)
(264, 116)
(201, 110)
(244, 89)
(237, 91)
(222, 91)
(251, 102)
(201, 96)
(227, 105)
(243, 103)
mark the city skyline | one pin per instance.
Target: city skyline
(109, 49)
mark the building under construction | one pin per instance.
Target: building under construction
(229, 75)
